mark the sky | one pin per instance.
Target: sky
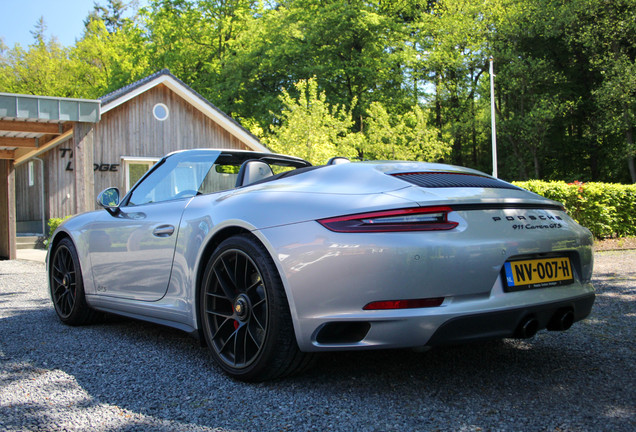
(64, 19)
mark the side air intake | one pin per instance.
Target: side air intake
(453, 180)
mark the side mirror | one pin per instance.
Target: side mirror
(109, 199)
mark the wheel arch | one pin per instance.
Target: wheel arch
(58, 238)
(55, 240)
(207, 251)
(284, 356)
(205, 256)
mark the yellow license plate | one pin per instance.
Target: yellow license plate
(538, 273)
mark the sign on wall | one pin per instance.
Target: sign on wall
(102, 167)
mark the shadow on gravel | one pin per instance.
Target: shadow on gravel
(581, 379)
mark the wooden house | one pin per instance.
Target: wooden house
(53, 164)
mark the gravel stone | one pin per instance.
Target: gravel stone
(127, 375)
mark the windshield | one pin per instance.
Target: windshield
(189, 173)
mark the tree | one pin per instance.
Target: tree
(195, 40)
(606, 31)
(111, 14)
(39, 32)
(311, 128)
(104, 61)
(565, 85)
(354, 48)
(564, 61)
(42, 68)
(401, 137)
(454, 41)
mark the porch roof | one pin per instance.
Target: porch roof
(30, 125)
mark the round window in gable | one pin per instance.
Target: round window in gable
(160, 111)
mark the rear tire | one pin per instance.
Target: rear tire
(245, 316)
(67, 286)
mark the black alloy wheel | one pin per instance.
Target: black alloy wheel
(244, 313)
(237, 308)
(66, 284)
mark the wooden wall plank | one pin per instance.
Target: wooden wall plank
(28, 197)
(60, 188)
(7, 210)
(83, 152)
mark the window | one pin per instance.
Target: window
(160, 111)
(31, 174)
(135, 168)
(218, 178)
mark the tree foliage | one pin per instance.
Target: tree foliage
(402, 137)
(376, 79)
(312, 129)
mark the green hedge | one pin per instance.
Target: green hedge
(606, 209)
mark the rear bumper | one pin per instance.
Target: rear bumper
(503, 324)
(500, 315)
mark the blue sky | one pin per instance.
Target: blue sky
(64, 19)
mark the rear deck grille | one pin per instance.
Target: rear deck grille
(453, 180)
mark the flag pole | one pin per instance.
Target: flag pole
(492, 118)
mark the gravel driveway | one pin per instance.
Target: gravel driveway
(127, 375)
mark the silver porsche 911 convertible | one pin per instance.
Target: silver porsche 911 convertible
(269, 259)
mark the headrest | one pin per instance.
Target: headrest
(252, 171)
(337, 160)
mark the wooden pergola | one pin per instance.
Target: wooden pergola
(32, 125)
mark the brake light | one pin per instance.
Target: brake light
(410, 219)
(405, 304)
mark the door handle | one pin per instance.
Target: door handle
(163, 231)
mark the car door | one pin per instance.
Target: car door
(132, 249)
(131, 254)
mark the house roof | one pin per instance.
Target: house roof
(166, 78)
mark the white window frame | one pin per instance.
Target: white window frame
(127, 160)
(165, 107)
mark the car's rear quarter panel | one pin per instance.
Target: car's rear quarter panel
(331, 276)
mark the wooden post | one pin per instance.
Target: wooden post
(7, 210)
(83, 143)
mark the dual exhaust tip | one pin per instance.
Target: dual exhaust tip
(560, 321)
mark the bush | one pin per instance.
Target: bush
(605, 209)
(53, 224)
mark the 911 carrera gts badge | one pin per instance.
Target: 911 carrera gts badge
(529, 222)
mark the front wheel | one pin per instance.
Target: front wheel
(67, 286)
(245, 317)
